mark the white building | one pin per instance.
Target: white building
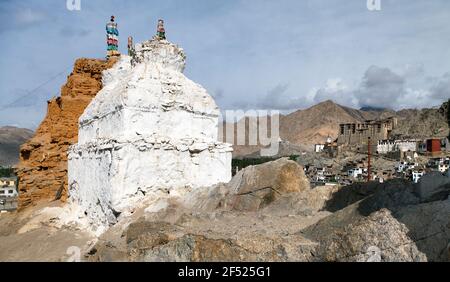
(404, 166)
(443, 167)
(355, 172)
(439, 164)
(8, 191)
(411, 166)
(416, 175)
(401, 166)
(8, 181)
(319, 148)
(386, 146)
(320, 174)
(406, 145)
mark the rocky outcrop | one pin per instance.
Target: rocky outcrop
(378, 237)
(391, 221)
(433, 186)
(42, 170)
(429, 228)
(159, 241)
(217, 224)
(422, 210)
(218, 236)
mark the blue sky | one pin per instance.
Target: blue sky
(249, 54)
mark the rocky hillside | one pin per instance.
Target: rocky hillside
(269, 213)
(422, 123)
(43, 159)
(11, 138)
(265, 213)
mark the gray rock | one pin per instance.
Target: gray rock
(196, 248)
(429, 227)
(433, 186)
(257, 186)
(427, 224)
(378, 237)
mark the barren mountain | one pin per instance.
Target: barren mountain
(10, 140)
(315, 124)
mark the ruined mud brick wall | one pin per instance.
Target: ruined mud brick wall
(357, 133)
(42, 170)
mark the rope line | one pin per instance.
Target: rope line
(29, 93)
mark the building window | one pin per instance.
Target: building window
(2, 192)
(11, 191)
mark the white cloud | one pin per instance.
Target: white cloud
(383, 88)
(413, 70)
(380, 87)
(441, 90)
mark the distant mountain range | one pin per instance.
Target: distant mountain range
(11, 138)
(313, 125)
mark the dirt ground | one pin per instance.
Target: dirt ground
(27, 237)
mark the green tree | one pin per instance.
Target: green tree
(6, 172)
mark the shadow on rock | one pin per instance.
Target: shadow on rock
(423, 208)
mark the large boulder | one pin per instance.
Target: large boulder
(198, 248)
(378, 237)
(255, 187)
(305, 203)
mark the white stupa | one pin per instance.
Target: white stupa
(149, 129)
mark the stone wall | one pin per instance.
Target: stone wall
(42, 170)
(358, 133)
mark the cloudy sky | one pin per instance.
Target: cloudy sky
(249, 54)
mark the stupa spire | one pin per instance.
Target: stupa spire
(160, 31)
(112, 38)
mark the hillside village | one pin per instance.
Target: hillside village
(392, 156)
(397, 150)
